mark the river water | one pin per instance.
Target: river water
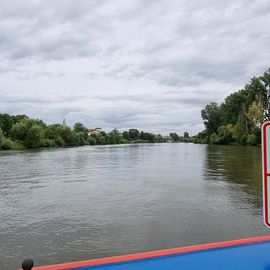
(81, 203)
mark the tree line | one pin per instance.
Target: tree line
(238, 119)
(20, 132)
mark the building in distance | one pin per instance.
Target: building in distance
(94, 130)
(64, 124)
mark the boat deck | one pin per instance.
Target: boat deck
(250, 253)
(249, 256)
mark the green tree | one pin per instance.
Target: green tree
(69, 136)
(159, 138)
(80, 128)
(239, 130)
(1, 138)
(134, 134)
(149, 137)
(114, 137)
(92, 140)
(34, 136)
(234, 105)
(212, 116)
(7, 144)
(53, 131)
(126, 135)
(252, 139)
(31, 122)
(6, 122)
(81, 138)
(19, 131)
(214, 138)
(202, 137)
(266, 102)
(101, 138)
(18, 118)
(225, 134)
(59, 141)
(256, 90)
(174, 137)
(245, 110)
(255, 114)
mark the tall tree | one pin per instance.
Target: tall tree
(212, 116)
(174, 136)
(134, 134)
(266, 81)
(233, 105)
(1, 138)
(19, 131)
(34, 136)
(79, 127)
(255, 114)
(6, 122)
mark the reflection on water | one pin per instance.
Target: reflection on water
(88, 202)
(239, 166)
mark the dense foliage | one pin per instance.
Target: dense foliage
(19, 132)
(239, 118)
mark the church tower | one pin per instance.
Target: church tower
(64, 124)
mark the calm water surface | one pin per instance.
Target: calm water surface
(81, 203)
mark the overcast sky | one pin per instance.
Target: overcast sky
(146, 64)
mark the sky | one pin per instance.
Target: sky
(146, 64)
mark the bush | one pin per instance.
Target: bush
(239, 131)
(34, 137)
(92, 141)
(243, 140)
(7, 144)
(48, 143)
(19, 131)
(202, 137)
(80, 138)
(123, 141)
(214, 139)
(59, 141)
(225, 134)
(1, 138)
(252, 139)
(101, 139)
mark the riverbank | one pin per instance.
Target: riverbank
(21, 132)
(20, 147)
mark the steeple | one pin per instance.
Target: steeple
(64, 124)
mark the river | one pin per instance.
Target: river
(81, 203)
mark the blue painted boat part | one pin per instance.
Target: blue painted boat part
(242, 254)
(250, 256)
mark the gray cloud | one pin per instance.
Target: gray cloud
(118, 111)
(146, 64)
(34, 74)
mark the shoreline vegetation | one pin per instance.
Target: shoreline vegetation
(237, 120)
(18, 132)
